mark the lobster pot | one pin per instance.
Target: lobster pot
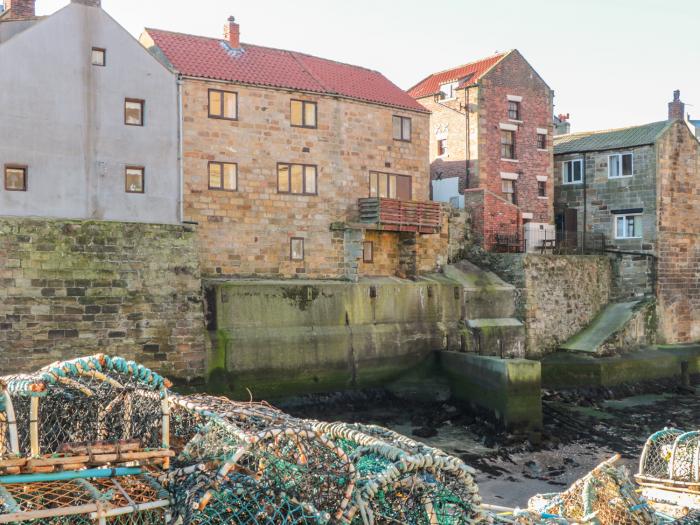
(671, 455)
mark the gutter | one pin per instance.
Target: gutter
(180, 151)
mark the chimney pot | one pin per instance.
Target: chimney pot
(232, 33)
(676, 109)
(20, 8)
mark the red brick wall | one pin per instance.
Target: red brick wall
(491, 215)
(514, 76)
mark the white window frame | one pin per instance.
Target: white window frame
(452, 86)
(619, 156)
(563, 171)
(637, 225)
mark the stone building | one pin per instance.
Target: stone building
(88, 119)
(636, 192)
(491, 126)
(279, 147)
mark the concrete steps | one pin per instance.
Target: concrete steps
(489, 310)
(606, 329)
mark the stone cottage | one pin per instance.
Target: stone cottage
(635, 192)
(88, 119)
(297, 165)
(491, 126)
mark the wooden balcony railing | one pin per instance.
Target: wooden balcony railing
(404, 216)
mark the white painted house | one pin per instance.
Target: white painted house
(89, 119)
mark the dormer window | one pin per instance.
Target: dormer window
(448, 91)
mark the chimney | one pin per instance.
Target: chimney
(20, 9)
(232, 33)
(676, 109)
(91, 3)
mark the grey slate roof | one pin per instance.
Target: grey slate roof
(610, 139)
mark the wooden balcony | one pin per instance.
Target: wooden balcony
(402, 216)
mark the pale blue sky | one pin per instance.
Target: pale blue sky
(611, 62)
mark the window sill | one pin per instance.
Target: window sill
(543, 150)
(542, 198)
(628, 238)
(515, 121)
(571, 183)
(510, 160)
(620, 177)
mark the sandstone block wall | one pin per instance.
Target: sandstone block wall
(72, 288)
(247, 232)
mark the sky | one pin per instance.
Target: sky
(611, 63)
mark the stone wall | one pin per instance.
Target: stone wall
(72, 288)
(247, 232)
(557, 295)
(678, 287)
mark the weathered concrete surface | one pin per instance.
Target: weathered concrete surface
(564, 370)
(620, 328)
(508, 388)
(278, 338)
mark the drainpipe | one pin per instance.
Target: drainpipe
(468, 138)
(585, 205)
(180, 155)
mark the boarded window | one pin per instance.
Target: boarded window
(223, 176)
(16, 178)
(296, 249)
(135, 182)
(368, 251)
(133, 112)
(442, 147)
(223, 104)
(303, 114)
(299, 179)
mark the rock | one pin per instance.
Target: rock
(425, 432)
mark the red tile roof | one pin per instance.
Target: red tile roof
(214, 59)
(468, 74)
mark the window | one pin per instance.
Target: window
(134, 179)
(442, 147)
(99, 57)
(507, 144)
(513, 110)
(299, 179)
(389, 186)
(628, 226)
(223, 176)
(448, 91)
(303, 114)
(572, 171)
(368, 251)
(223, 104)
(620, 165)
(16, 178)
(402, 128)
(541, 141)
(296, 249)
(541, 188)
(508, 187)
(133, 112)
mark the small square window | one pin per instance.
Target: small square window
(541, 188)
(541, 141)
(223, 104)
(133, 112)
(368, 252)
(296, 249)
(16, 178)
(135, 179)
(99, 56)
(572, 171)
(223, 176)
(628, 226)
(513, 110)
(303, 114)
(402, 128)
(620, 165)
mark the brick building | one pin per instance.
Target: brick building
(637, 190)
(491, 126)
(279, 147)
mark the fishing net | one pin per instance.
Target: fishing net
(605, 495)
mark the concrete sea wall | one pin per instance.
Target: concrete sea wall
(277, 338)
(73, 288)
